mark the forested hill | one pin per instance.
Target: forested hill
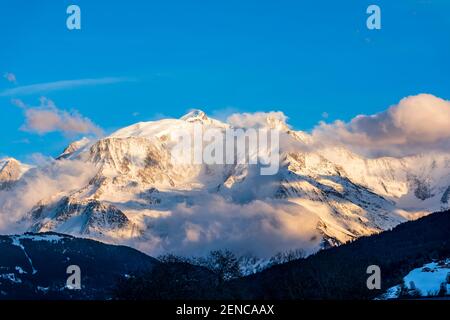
(340, 273)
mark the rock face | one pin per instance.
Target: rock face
(82, 217)
(320, 196)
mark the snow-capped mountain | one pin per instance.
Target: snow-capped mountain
(321, 196)
(10, 171)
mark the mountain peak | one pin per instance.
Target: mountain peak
(5, 161)
(10, 170)
(73, 147)
(276, 122)
(195, 115)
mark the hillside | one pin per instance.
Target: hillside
(33, 266)
(340, 273)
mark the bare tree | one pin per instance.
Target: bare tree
(224, 263)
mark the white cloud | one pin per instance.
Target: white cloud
(48, 118)
(48, 180)
(261, 228)
(59, 85)
(257, 119)
(416, 124)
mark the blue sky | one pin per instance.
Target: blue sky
(150, 59)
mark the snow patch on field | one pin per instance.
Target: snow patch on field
(429, 278)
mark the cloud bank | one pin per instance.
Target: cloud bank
(416, 124)
(260, 228)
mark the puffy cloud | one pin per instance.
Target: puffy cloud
(416, 124)
(10, 77)
(48, 118)
(260, 228)
(273, 119)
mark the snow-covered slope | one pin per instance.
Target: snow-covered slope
(74, 147)
(320, 196)
(430, 280)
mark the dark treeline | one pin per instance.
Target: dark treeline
(336, 273)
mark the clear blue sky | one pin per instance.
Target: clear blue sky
(302, 57)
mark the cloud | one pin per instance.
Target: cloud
(416, 124)
(48, 180)
(59, 85)
(260, 228)
(48, 118)
(258, 119)
(10, 77)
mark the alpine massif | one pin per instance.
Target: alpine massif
(124, 189)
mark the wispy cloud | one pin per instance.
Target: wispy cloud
(60, 85)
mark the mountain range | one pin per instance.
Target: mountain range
(124, 189)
